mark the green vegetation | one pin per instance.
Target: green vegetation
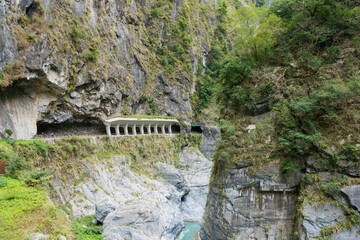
(300, 60)
(308, 87)
(26, 210)
(26, 159)
(33, 165)
(90, 232)
(143, 152)
(3, 182)
(206, 82)
(140, 117)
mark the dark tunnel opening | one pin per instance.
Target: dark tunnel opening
(175, 129)
(50, 130)
(196, 129)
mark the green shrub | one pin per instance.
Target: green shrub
(90, 232)
(76, 33)
(222, 9)
(320, 22)
(160, 51)
(183, 24)
(301, 118)
(164, 61)
(16, 165)
(37, 178)
(205, 88)
(93, 54)
(152, 106)
(9, 132)
(332, 53)
(227, 129)
(330, 187)
(286, 168)
(155, 13)
(2, 75)
(3, 182)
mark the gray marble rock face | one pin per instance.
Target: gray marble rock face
(246, 205)
(317, 216)
(134, 206)
(104, 207)
(353, 195)
(143, 219)
(211, 135)
(123, 83)
(196, 169)
(173, 176)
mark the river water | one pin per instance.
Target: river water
(189, 231)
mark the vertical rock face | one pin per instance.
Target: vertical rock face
(246, 205)
(8, 50)
(98, 59)
(19, 112)
(196, 170)
(211, 135)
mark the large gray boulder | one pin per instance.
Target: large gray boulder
(353, 194)
(142, 219)
(173, 176)
(104, 207)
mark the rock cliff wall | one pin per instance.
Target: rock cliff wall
(255, 195)
(77, 61)
(134, 205)
(247, 205)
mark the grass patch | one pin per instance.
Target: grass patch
(143, 152)
(90, 232)
(25, 211)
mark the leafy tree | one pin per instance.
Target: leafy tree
(256, 31)
(316, 22)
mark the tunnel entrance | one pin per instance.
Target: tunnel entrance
(52, 130)
(175, 129)
(196, 128)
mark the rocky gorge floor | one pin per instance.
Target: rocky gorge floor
(134, 206)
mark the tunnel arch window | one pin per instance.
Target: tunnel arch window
(175, 128)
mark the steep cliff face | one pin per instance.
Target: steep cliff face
(248, 197)
(78, 61)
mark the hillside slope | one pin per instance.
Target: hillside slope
(288, 164)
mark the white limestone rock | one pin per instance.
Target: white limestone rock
(104, 207)
(39, 236)
(197, 170)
